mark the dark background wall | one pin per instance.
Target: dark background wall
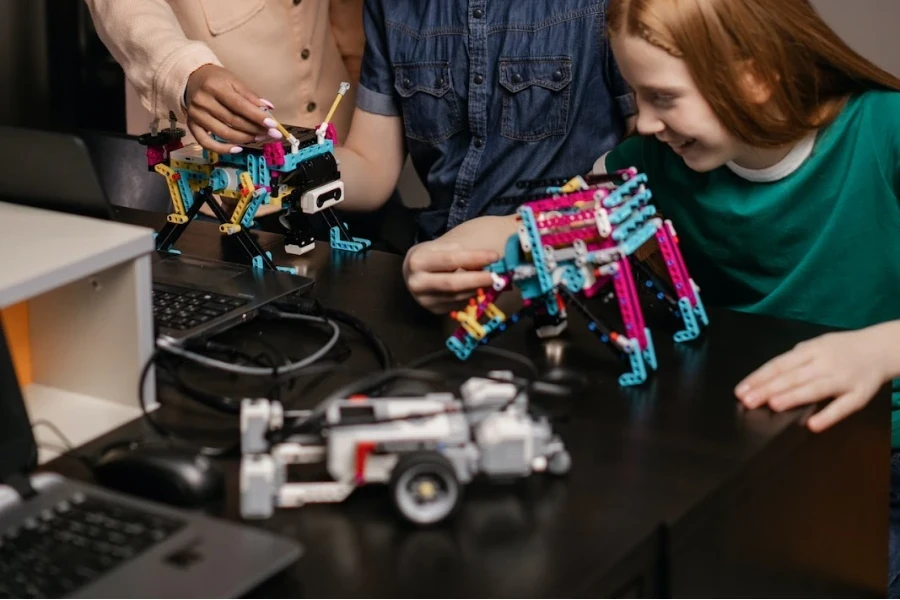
(55, 72)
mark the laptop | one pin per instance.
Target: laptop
(74, 539)
(193, 297)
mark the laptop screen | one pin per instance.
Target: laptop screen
(18, 451)
(50, 170)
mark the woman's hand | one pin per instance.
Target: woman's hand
(219, 103)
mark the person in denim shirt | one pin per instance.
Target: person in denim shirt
(482, 95)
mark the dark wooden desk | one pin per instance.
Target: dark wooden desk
(674, 491)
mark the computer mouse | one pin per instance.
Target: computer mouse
(168, 474)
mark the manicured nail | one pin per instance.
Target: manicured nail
(267, 103)
(236, 149)
(259, 138)
(270, 123)
(742, 389)
(275, 134)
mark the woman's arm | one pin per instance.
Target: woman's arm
(146, 39)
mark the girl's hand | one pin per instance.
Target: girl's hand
(220, 103)
(442, 276)
(849, 367)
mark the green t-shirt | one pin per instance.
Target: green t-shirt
(821, 244)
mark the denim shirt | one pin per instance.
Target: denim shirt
(491, 93)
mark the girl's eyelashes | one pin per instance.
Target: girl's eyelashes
(661, 100)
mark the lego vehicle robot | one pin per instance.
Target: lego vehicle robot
(424, 447)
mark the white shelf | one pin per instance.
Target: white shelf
(81, 418)
(44, 250)
(88, 286)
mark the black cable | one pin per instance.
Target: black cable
(233, 353)
(161, 429)
(384, 354)
(68, 448)
(312, 306)
(428, 358)
(56, 430)
(216, 402)
(480, 349)
(232, 405)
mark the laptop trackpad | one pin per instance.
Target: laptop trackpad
(183, 270)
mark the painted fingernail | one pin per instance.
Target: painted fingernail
(275, 134)
(259, 138)
(236, 149)
(270, 123)
(267, 103)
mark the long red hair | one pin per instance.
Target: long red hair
(806, 66)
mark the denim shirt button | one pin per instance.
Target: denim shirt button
(517, 78)
(439, 82)
(557, 75)
(477, 13)
(478, 142)
(478, 79)
(406, 82)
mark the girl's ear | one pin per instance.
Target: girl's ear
(757, 89)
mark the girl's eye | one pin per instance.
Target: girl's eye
(662, 100)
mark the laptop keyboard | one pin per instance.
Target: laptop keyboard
(73, 544)
(183, 308)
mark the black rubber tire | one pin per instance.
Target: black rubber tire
(435, 467)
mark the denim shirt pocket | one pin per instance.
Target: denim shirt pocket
(429, 103)
(536, 97)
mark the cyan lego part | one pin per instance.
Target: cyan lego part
(573, 278)
(691, 329)
(184, 190)
(218, 180)
(461, 349)
(357, 245)
(621, 213)
(252, 207)
(700, 309)
(262, 171)
(511, 257)
(251, 168)
(258, 169)
(530, 288)
(237, 160)
(650, 350)
(634, 222)
(537, 248)
(638, 374)
(623, 191)
(640, 237)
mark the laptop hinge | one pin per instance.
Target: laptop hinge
(22, 485)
